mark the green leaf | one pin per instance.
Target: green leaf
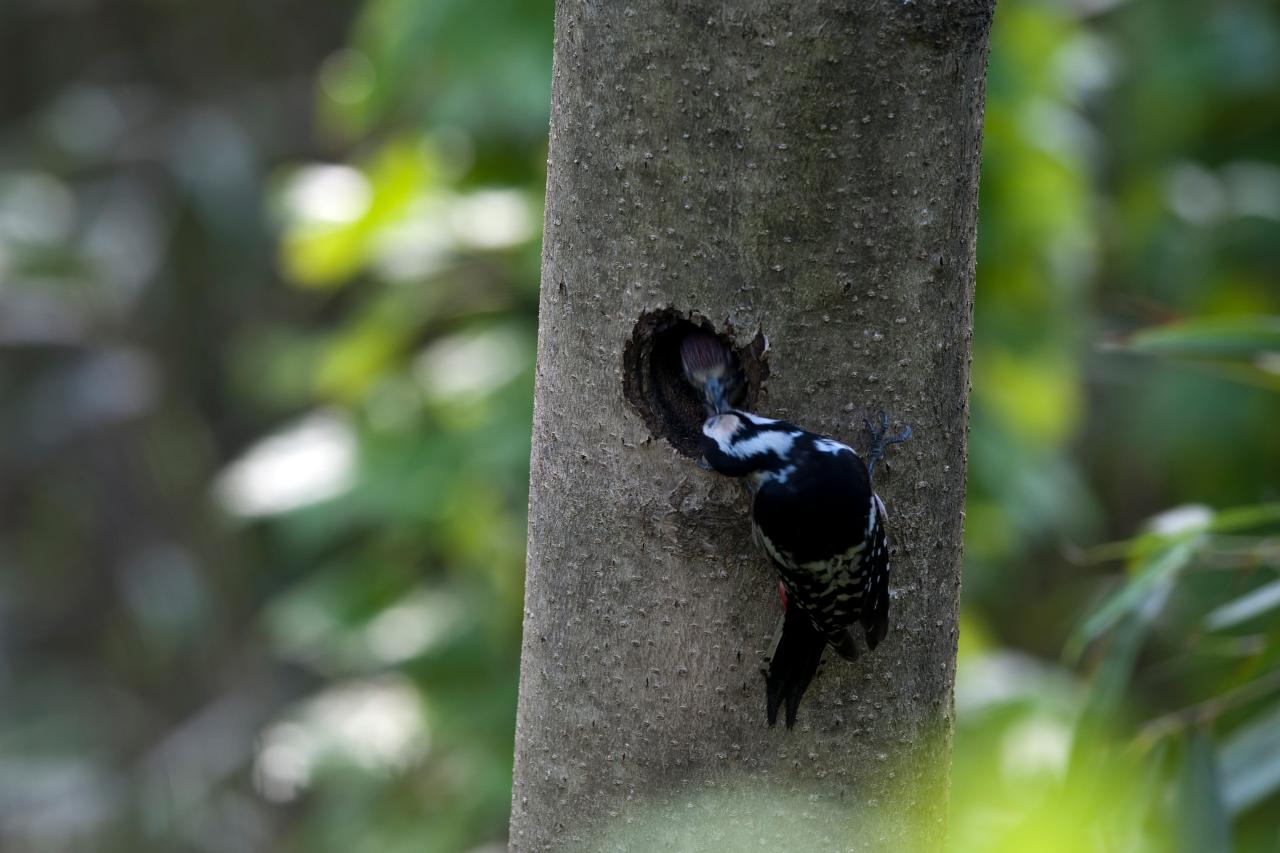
(1202, 814)
(1156, 558)
(1250, 762)
(1241, 518)
(1243, 349)
(1151, 578)
(1242, 338)
(1244, 608)
(1106, 697)
(326, 255)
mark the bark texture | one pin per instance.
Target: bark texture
(808, 170)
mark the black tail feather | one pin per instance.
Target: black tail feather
(793, 665)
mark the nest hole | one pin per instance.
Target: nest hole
(655, 385)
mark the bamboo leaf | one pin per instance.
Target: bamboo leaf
(1106, 697)
(1146, 588)
(1239, 518)
(1202, 814)
(1233, 338)
(1250, 762)
(1241, 349)
(1254, 603)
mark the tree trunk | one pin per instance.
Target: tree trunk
(804, 170)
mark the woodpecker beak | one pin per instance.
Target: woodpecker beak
(714, 391)
(704, 464)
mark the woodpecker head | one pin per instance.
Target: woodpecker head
(708, 367)
(738, 444)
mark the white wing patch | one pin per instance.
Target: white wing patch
(762, 477)
(762, 442)
(830, 445)
(758, 420)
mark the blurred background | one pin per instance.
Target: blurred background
(268, 281)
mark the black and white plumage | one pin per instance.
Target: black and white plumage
(815, 515)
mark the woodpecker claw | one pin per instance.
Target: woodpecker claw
(880, 440)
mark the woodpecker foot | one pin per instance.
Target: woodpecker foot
(881, 440)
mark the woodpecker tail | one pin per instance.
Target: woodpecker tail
(793, 665)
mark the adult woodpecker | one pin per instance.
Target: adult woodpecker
(813, 512)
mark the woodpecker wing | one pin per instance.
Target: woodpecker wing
(823, 529)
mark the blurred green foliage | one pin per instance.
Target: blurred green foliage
(268, 280)
(1124, 391)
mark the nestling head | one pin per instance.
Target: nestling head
(708, 367)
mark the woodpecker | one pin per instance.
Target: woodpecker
(813, 513)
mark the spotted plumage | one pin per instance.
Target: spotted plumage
(815, 515)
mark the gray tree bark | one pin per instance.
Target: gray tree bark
(807, 170)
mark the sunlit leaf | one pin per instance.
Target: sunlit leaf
(366, 349)
(333, 232)
(1036, 397)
